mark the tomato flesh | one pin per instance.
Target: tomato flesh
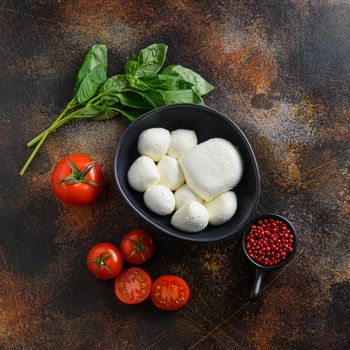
(81, 193)
(132, 286)
(104, 261)
(137, 246)
(170, 293)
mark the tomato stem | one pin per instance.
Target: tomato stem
(100, 262)
(139, 247)
(78, 176)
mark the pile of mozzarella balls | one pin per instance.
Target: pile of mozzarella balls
(194, 180)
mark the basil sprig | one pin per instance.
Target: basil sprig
(142, 87)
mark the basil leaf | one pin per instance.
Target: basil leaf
(114, 84)
(131, 66)
(102, 113)
(200, 86)
(162, 98)
(105, 115)
(137, 84)
(131, 113)
(91, 83)
(149, 61)
(94, 113)
(87, 112)
(160, 82)
(135, 99)
(197, 99)
(106, 100)
(97, 55)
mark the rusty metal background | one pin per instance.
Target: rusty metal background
(281, 71)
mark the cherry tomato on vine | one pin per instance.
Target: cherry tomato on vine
(170, 292)
(137, 247)
(133, 285)
(77, 180)
(104, 261)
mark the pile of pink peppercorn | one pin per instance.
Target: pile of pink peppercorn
(269, 242)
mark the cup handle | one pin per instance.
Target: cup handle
(255, 291)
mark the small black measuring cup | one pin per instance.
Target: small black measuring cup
(261, 270)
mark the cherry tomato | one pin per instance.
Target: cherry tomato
(77, 180)
(170, 292)
(137, 247)
(132, 286)
(104, 261)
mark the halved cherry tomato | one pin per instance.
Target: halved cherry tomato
(137, 247)
(132, 286)
(170, 292)
(77, 180)
(104, 261)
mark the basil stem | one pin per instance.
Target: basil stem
(73, 103)
(43, 137)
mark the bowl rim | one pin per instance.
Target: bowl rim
(159, 227)
(288, 259)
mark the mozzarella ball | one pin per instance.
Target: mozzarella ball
(185, 195)
(221, 208)
(154, 143)
(160, 200)
(212, 167)
(143, 174)
(181, 141)
(170, 173)
(191, 217)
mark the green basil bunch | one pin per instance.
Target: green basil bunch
(142, 87)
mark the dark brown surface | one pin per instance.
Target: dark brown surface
(282, 72)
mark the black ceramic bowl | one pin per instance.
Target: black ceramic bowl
(207, 123)
(261, 270)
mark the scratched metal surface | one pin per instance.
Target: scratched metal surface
(282, 72)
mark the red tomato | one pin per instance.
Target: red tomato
(170, 293)
(104, 261)
(137, 247)
(77, 180)
(132, 286)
